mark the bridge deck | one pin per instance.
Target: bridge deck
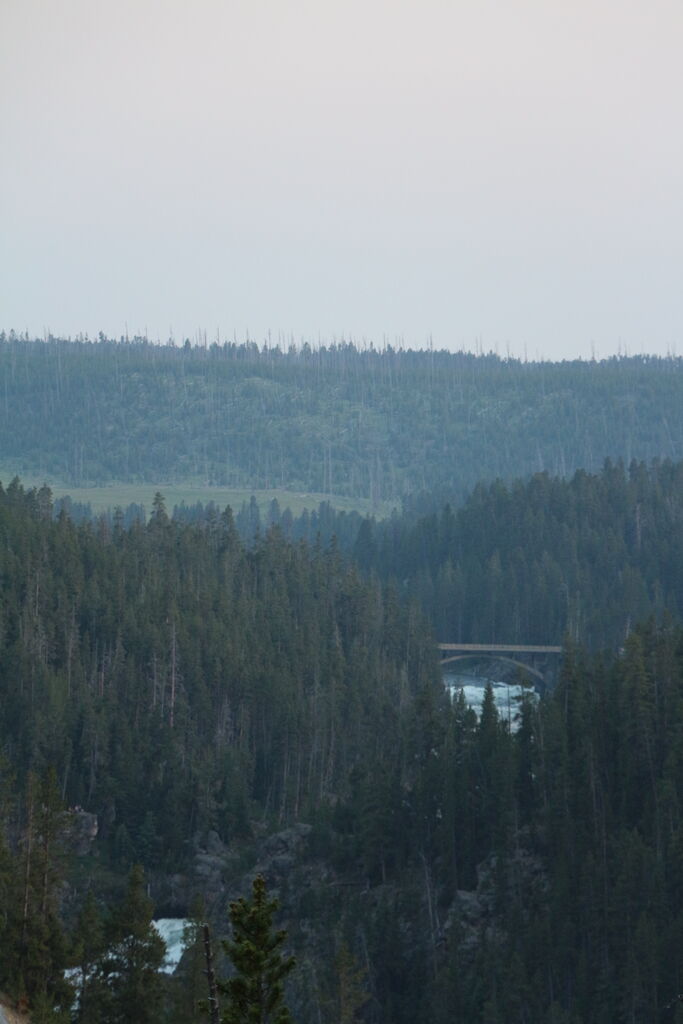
(499, 648)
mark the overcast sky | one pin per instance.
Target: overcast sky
(497, 173)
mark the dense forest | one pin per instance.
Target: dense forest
(541, 558)
(217, 706)
(522, 563)
(335, 420)
(171, 653)
(176, 684)
(194, 699)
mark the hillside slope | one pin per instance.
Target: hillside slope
(337, 420)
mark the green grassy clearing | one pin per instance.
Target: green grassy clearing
(110, 495)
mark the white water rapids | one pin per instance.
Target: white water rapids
(508, 697)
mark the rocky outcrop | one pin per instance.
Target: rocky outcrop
(79, 831)
(222, 872)
(474, 918)
(279, 853)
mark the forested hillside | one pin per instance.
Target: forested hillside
(203, 700)
(576, 914)
(337, 419)
(174, 684)
(170, 653)
(527, 563)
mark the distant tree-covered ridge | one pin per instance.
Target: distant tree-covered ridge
(337, 419)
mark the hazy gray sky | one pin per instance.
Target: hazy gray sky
(502, 172)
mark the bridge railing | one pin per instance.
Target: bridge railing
(500, 648)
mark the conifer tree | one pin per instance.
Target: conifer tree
(132, 967)
(89, 946)
(352, 992)
(189, 981)
(256, 992)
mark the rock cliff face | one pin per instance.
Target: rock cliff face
(397, 932)
(222, 873)
(323, 908)
(79, 831)
(474, 918)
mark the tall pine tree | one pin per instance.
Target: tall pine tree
(256, 993)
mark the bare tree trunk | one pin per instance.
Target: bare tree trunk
(173, 674)
(214, 1012)
(434, 927)
(70, 645)
(154, 680)
(285, 781)
(27, 873)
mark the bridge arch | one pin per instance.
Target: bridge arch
(498, 657)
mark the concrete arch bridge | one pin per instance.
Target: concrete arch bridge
(541, 662)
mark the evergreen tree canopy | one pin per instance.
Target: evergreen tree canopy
(538, 559)
(256, 992)
(131, 966)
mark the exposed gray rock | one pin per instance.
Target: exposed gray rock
(79, 831)
(215, 845)
(220, 872)
(472, 918)
(287, 841)
(206, 864)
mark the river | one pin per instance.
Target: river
(172, 931)
(508, 696)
